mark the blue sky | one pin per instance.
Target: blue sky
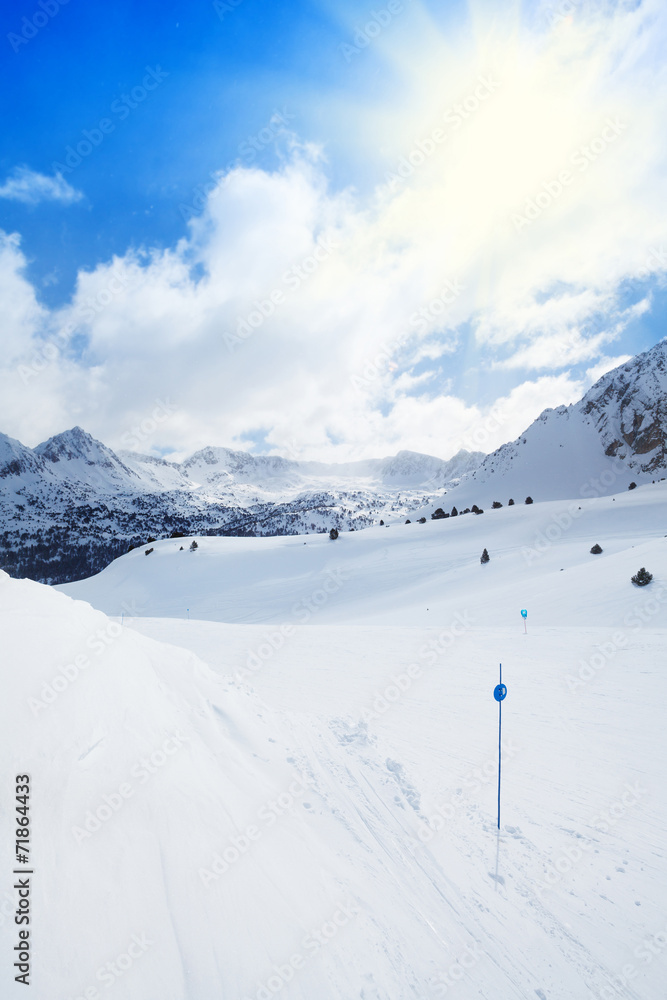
(220, 144)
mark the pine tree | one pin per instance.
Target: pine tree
(333, 534)
(596, 550)
(194, 546)
(484, 558)
(528, 500)
(642, 577)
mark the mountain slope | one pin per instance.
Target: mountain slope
(311, 812)
(71, 505)
(615, 435)
(413, 574)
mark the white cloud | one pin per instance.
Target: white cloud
(31, 187)
(284, 292)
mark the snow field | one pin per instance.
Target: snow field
(298, 799)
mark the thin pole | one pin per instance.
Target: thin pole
(500, 718)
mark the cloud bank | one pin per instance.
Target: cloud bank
(512, 228)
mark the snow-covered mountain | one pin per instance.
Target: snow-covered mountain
(71, 504)
(615, 435)
(295, 796)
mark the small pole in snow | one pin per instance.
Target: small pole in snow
(524, 615)
(122, 617)
(499, 693)
(188, 611)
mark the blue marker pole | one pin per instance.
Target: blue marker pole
(500, 693)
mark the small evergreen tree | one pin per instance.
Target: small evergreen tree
(484, 558)
(632, 486)
(528, 500)
(642, 577)
(381, 522)
(495, 505)
(408, 521)
(422, 520)
(437, 514)
(194, 546)
(148, 552)
(596, 550)
(333, 534)
(454, 512)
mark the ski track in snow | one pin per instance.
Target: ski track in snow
(371, 791)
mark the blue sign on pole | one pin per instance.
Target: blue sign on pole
(500, 693)
(524, 613)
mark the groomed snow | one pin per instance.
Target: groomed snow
(324, 724)
(414, 574)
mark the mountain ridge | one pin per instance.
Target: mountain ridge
(614, 435)
(71, 505)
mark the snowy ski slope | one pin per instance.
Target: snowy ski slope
(293, 793)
